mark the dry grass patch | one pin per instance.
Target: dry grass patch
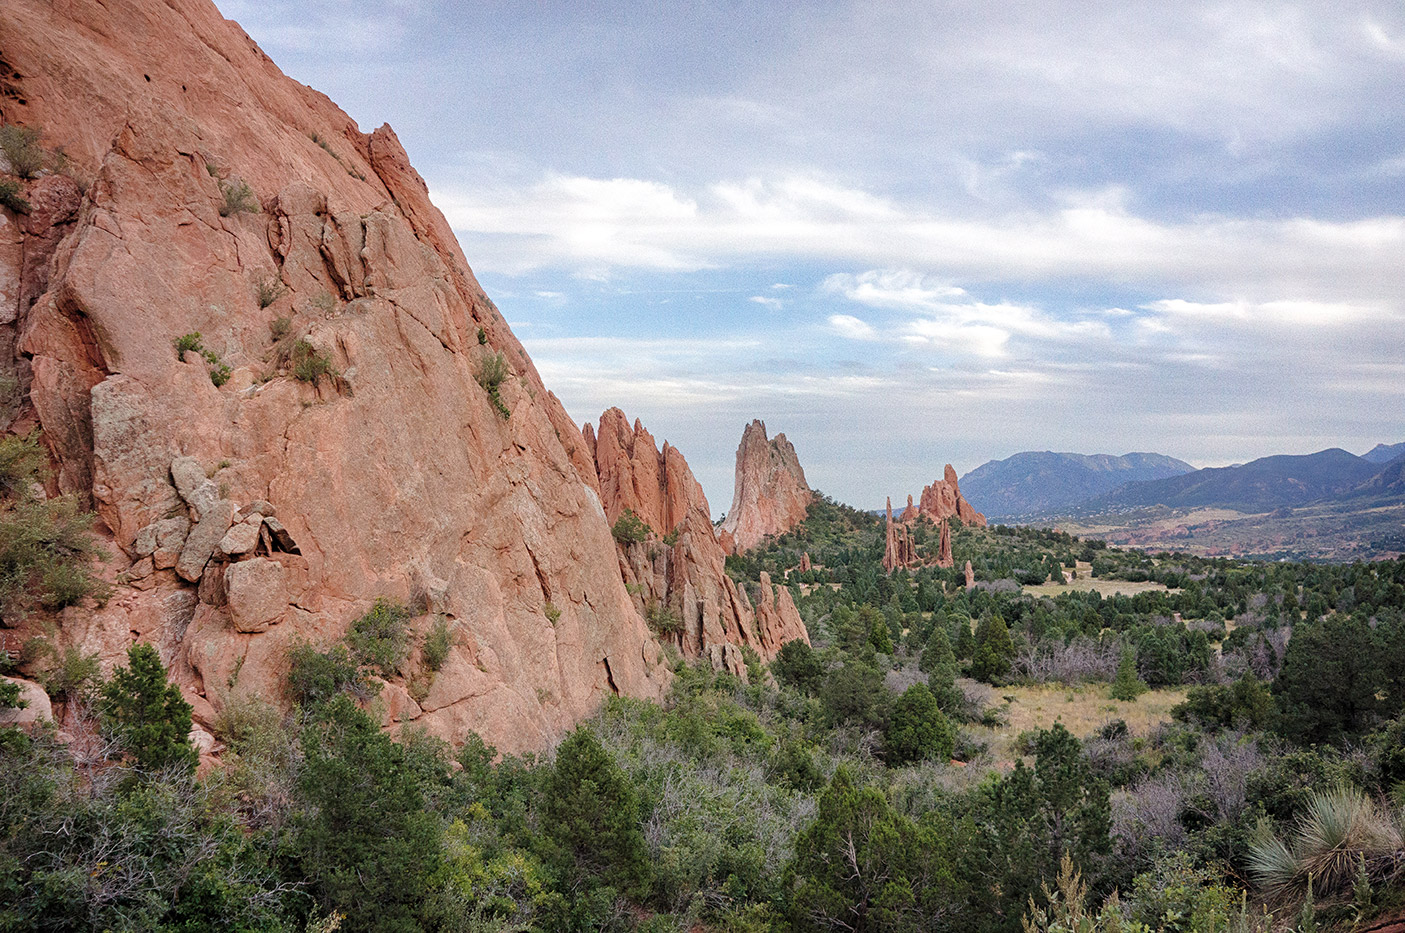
(1083, 710)
(1105, 587)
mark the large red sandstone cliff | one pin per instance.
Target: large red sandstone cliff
(245, 517)
(687, 580)
(770, 495)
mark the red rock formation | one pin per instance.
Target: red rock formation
(944, 558)
(805, 564)
(688, 580)
(398, 478)
(770, 496)
(910, 513)
(898, 550)
(970, 577)
(943, 499)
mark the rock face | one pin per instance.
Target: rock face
(910, 513)
(943, 499)
(944, 558)
(770, 495)
(36, 707)
(393, 476)
(898, 550)
(683, 586)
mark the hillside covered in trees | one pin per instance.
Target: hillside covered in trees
(873, 781)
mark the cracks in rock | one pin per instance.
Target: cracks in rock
(541, 577)
(610, 676)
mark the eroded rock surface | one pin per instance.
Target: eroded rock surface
(392, 474)
(943, 499)
(678, 576)
(770, 495)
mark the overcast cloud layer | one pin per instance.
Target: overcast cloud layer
(906, 233)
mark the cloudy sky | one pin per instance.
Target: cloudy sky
(907, 233)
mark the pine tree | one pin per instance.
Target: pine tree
(937, 653)
(147, 714)
(1127, 686)
(965, 646)
(917, 730)
(593, 815)
(994, 649)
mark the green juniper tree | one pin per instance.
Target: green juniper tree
(146, 713)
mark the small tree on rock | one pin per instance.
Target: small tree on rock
(147, 714)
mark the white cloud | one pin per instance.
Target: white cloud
(770, 304)
(593, 226)
(846, 325)
(953, 321)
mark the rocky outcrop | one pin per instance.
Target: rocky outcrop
(910, 513)
(770, 495)
(278, 505)
(944, 558)
(805, 565)
(970, 576)
(677, 576)
(943, 499)
(34, 709)
(898, 549)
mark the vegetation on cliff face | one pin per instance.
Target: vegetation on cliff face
(824, 797)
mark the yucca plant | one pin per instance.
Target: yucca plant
(1341, 830)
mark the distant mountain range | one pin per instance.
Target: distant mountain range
(1384, 453)
(1032, 485)
(1039, 482)
(1262, 485)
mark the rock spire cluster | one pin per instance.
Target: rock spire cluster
(940, 502)
(683, 587)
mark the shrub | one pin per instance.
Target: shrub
(1341, 829)
(280, 327)
(307, 362)
(45, 555)
(316, 676)
(239, 198)
(797, 665)
(629, 528)
(553, 615)
(437, 644)
(188, 342)
(72, 675)
(492, 370)
(381, 637)
(10, 197)
(1245, 704)
(21, 460)
(325, 303)
(663, 620)
(20, 146)
(219, 372)
(146, 713)
(268, 290)
(9, 691)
